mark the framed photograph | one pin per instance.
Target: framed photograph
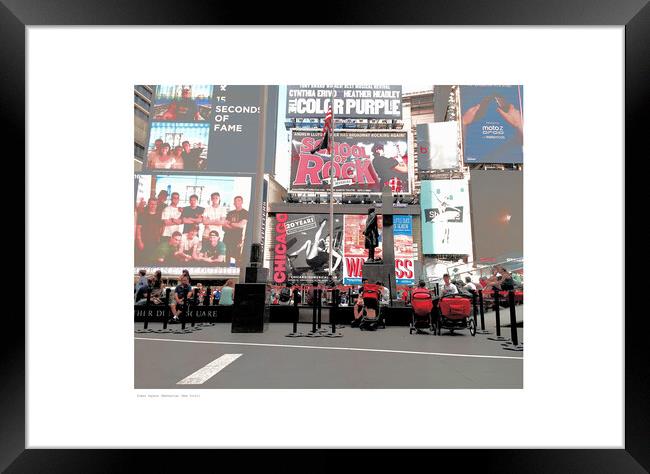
(69, 398)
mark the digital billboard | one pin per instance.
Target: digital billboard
(355, 253)
(300, 245)
(497, 203)
(364, 161)
(446, 227)
(437, 146)
(184, 221)
(350, 101)
(492, 119)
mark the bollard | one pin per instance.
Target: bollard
(194, 304)
(481, 306)
(497, 307)
(313, 312)
(295, 333)
(184, 313)
(167, 293)
(146, 319)
(437, 290)
(514, 345)
(334, 313)
(319, 305)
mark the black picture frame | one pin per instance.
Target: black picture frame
(15, 15)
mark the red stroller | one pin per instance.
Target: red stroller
(423, 308)
(454, 313)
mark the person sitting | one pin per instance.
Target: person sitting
(448, 288)
(284, 297)
(470, 286)
(227, 293)
(358, 312)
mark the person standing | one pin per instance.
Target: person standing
(148, 230)
(234, 231)
(171, 217)
(192, 214)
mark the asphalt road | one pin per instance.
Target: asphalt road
(211, 357)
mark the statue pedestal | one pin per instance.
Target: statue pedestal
(379, 272)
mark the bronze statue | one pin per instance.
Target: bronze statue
(372, 235)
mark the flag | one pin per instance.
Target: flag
(326, 138)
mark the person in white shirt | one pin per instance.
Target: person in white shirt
(190, 244)
(469, 285)
(448, 288)
(214, 216)
(171, 217)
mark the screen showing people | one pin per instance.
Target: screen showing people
(183, 103)
(174, 230)
(178, 147)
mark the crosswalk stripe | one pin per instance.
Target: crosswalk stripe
(210, 370)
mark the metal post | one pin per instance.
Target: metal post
(481, 310)
(514, 345)
(146, 319)
(184, 312)
(498, 317)
(320, 303)
(194, 301)
(313, 310)
(167, 293)
(331, 173)
(390, 290)
(437, 289)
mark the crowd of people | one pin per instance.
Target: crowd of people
(169, 235)
(181, 293)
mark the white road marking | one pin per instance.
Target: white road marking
(209, 370)
(329, 348)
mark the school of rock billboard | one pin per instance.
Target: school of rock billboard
(350, 101)
(355, 253)
(446, 226)
(364, 161)
(300, 248)
(493, 127)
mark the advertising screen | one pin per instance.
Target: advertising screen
(350, 101)
(446, 227)
(437, 146)
(364, 161)
(498, 224)
(301, 248)
(355, 253)
(492, 118)
(198, 222)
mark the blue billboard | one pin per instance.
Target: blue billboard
(492, 118)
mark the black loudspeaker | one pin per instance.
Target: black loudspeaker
(256, 255)
(256, 275)
(251, 313)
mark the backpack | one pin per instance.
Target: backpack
(285, 295)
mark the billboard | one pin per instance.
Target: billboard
(207, 126)
(355, 253)
(350, 101)
(492, 118)
(437, 146)
(363, 162)
(446, 227)
(198, 222)
(498, 223)
(300, 246)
